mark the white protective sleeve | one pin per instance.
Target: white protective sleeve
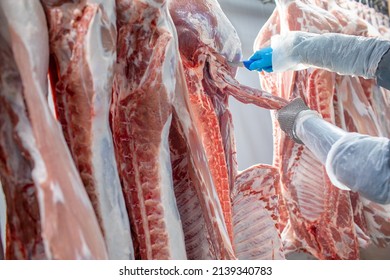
(361, 163)
(353, 161)
(344, 54)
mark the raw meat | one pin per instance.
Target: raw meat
(24, 240)
(141, 118)
(255, 214)
(69, 228)
(83, 53)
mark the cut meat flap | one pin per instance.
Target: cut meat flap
(24, 240)
(83, 53)
(69, 228)
(255, 214)
(141, 118)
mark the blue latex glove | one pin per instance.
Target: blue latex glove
(260, 60)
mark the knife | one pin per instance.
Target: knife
(244, 63)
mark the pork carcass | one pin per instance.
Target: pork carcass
(48, 195)
(340, 100)
(83, 53)
(143, 90)
(207, 41)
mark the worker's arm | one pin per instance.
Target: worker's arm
(344, 54)
(352, 160)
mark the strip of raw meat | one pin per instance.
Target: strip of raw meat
(83, 53)
(24, 239)
(212, 141)
(141, 117)
(69, 226)
(256, 235)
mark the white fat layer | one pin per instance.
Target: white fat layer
(85, 253)
(50, 100)
(58, 195)
(109, 8)
(110, 196)
(168, 70)
(172, 218)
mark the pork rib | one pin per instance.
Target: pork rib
(141, 117)
(83, 53)
(255, 214)
(198, 240)
(69, 227)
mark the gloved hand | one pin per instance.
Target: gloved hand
(260, 60)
